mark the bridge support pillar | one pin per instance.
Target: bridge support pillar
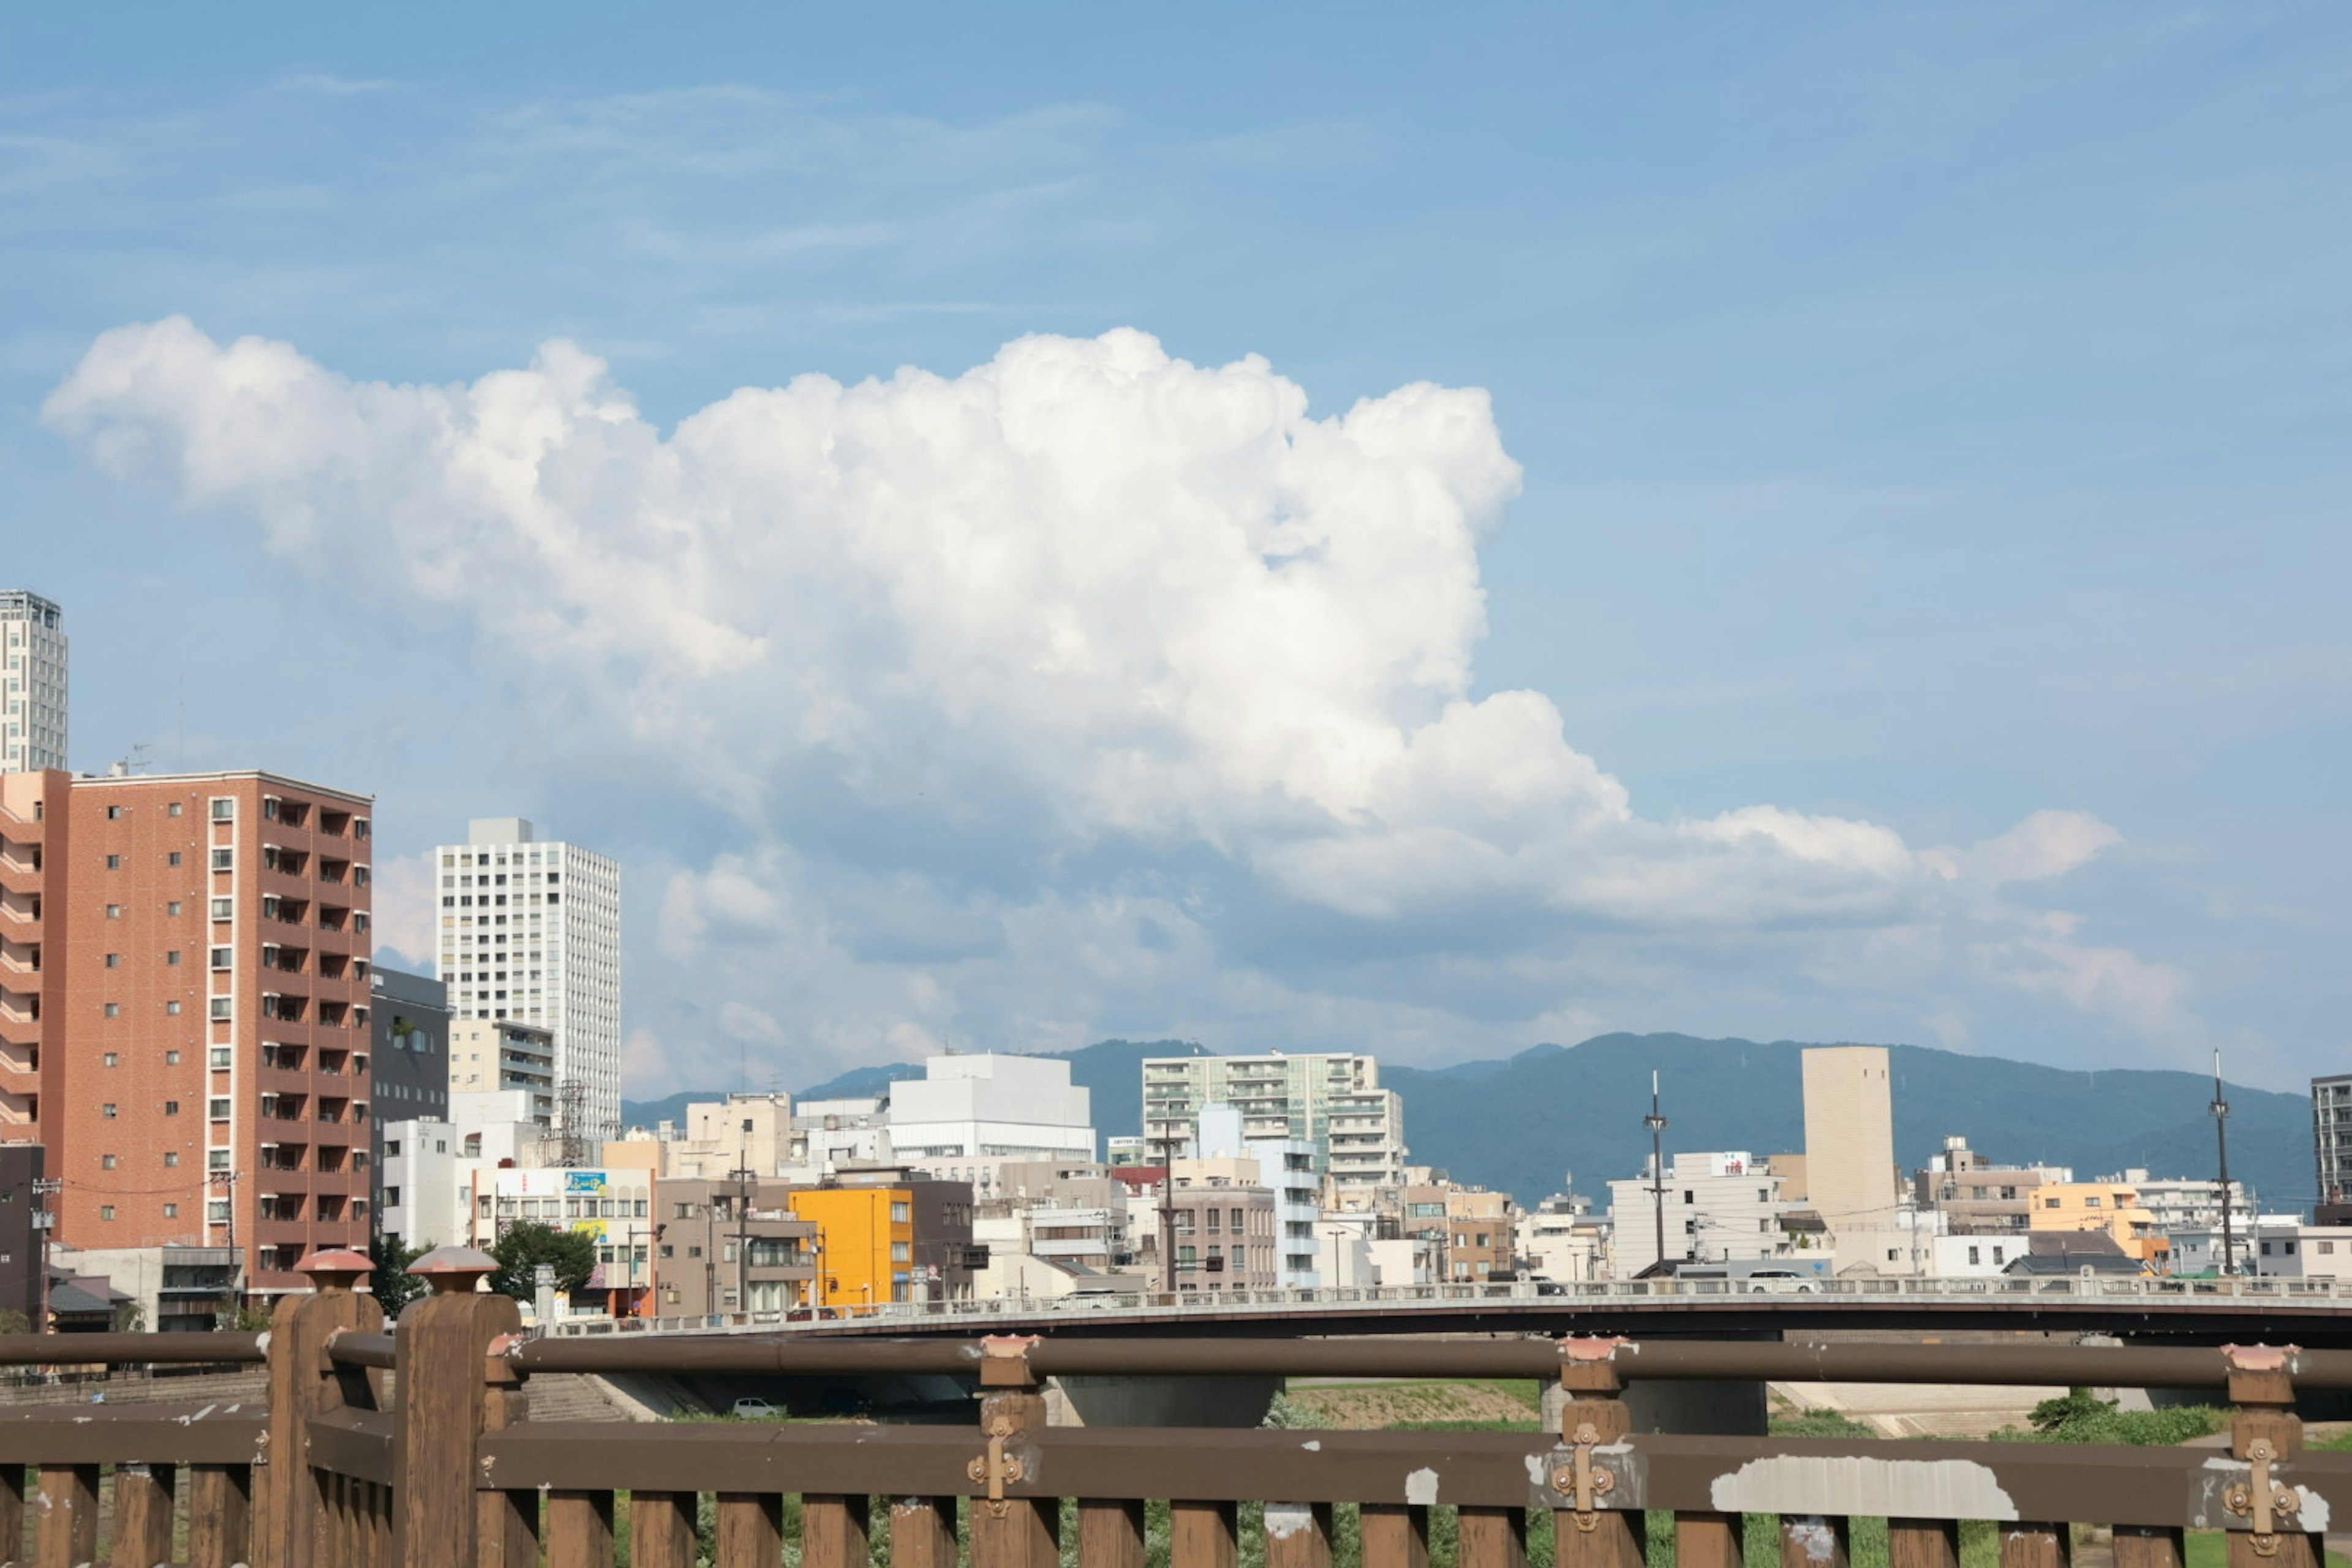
(1695, 1409)
(1160, 1401)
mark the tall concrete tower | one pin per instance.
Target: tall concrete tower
(1849, 1151)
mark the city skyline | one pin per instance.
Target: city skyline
(1819, 604)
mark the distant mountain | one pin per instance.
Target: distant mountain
(1522, 1123)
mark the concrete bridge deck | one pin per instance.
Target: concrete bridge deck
(2310, 1313)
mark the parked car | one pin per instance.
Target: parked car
(1780, 1281)
(754, 1408)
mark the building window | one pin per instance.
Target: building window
(221, 1009)
(224, 859)
(171, 1159)
(107, 1111)
(173, 908)
(220, 1057)
(114, 911)
(173, 858)
(172, 959)
(172, 1009)
(173, 809)
(106, 1161)
(114, 1009)
(114, 862)
(113, 961)
(171, 1058)
(223, 811)
(171, 1211)
(171, 1108)
(900, 1214)
(111, 1058)
(114, 814)
(106, 1211)
(223, 908)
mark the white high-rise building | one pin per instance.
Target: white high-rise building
(32, 685)
(531, 932)
(1331, 1100)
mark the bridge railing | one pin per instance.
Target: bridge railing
(2038, 1288)
(451, 1473)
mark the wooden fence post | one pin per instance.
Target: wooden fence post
(1009, 1532)
(292, 1523)
(1591, 1416)
(444, 1407)
(2264, 1433)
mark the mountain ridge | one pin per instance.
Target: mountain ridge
(1521, 1123)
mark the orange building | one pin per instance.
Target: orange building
(184, 1009)
(878, 1241)
(2109, 1206)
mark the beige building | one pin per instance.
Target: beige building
(1850, 1146)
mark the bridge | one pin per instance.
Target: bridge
(2312, 1312)
(441, 1467)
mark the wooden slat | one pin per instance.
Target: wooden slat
(1111, 1533)
(1703, 1540)
(835, 1530)
(1617, 1540)
(144, 1495)
(578, 1530)
(923, 1532)
(1492, 1537)
(751, 1530)
(1926, 1543)
(1204, 1535)
(12, 1513)
(1396, 1535)
(1812, 1541)
(2042, 1545)
(220, 1515)
(2149, 1546)
(508, 1526)
(1298, 1535)
(661, 1529)
(68, 1536)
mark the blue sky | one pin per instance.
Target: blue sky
(1926, 423)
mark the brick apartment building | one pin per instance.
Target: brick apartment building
(185, 1004)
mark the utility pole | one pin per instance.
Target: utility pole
(1168, 1214)
(2220, 1109)
(1657, 1126)
(743, 1219)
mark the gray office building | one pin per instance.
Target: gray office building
(410, 1019)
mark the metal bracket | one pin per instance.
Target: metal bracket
(2261, 1499)
(1583, 1485)
(997, 1467)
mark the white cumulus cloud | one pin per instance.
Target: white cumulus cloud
(1086, 600)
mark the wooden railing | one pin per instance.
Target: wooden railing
(453, 1474)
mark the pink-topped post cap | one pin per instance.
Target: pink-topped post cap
(453, 1271)
(336, 1268)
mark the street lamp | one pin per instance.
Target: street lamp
(2220, 1111)
(1657, 1126)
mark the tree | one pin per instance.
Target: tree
(528, 1244)
(12, 1321)
(391, 1284)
